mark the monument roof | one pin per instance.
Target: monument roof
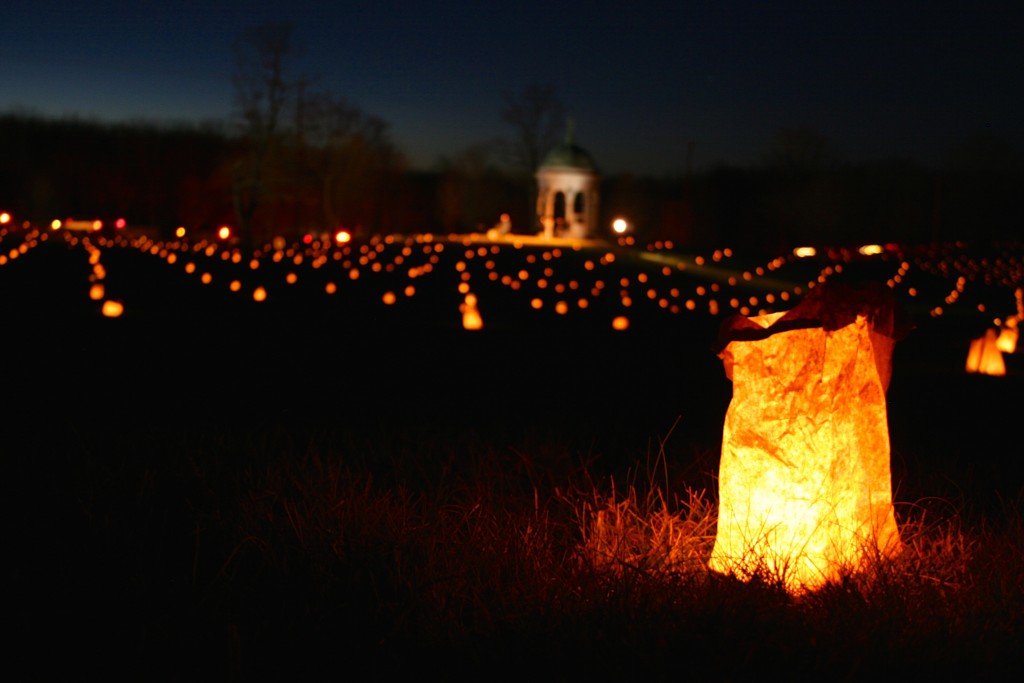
(568, 155)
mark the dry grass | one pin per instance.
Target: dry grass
(269, 556)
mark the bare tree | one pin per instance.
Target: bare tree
(309, 158)
(351, 158)
(537, 117)
(263, 90)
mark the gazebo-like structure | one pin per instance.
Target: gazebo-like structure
(567, 191)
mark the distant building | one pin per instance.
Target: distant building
(567, 191)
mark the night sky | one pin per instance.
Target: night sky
(642, 80)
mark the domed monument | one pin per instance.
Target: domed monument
(567, 191)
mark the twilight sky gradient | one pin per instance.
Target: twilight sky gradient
(641, 79)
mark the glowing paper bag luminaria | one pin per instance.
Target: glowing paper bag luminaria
(984, 355)
(805, 488)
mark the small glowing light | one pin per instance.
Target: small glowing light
(5, 218)
(871, 249)
(259, 294)
(343, 237)
(388, 298)
(112, 309)
(55, 224)
(224, 232)
(180, 232)
(619, 225)
(235, 286)
(804, 252)
(620, 322)
(291, 278)
(120, 223)
(96, 291)
(471, 319)
(206, 278)
(97, 225)
(330, 288)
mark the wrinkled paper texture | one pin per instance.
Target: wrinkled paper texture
(805, 488)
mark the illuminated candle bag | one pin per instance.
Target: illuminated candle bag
(805, 487)
(1008, 335)
(984, 356)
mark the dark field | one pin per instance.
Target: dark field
(210, 487)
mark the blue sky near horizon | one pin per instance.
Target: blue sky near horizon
(642, 82)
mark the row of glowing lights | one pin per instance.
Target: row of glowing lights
(1007, 271)
(560, 307)
(110, 308)
(516, 281)
(369, 251)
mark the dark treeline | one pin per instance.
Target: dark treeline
(802, 194)
(154, 175)
(169, 175)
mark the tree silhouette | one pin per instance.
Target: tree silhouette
(263, 89)
(537, 117)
